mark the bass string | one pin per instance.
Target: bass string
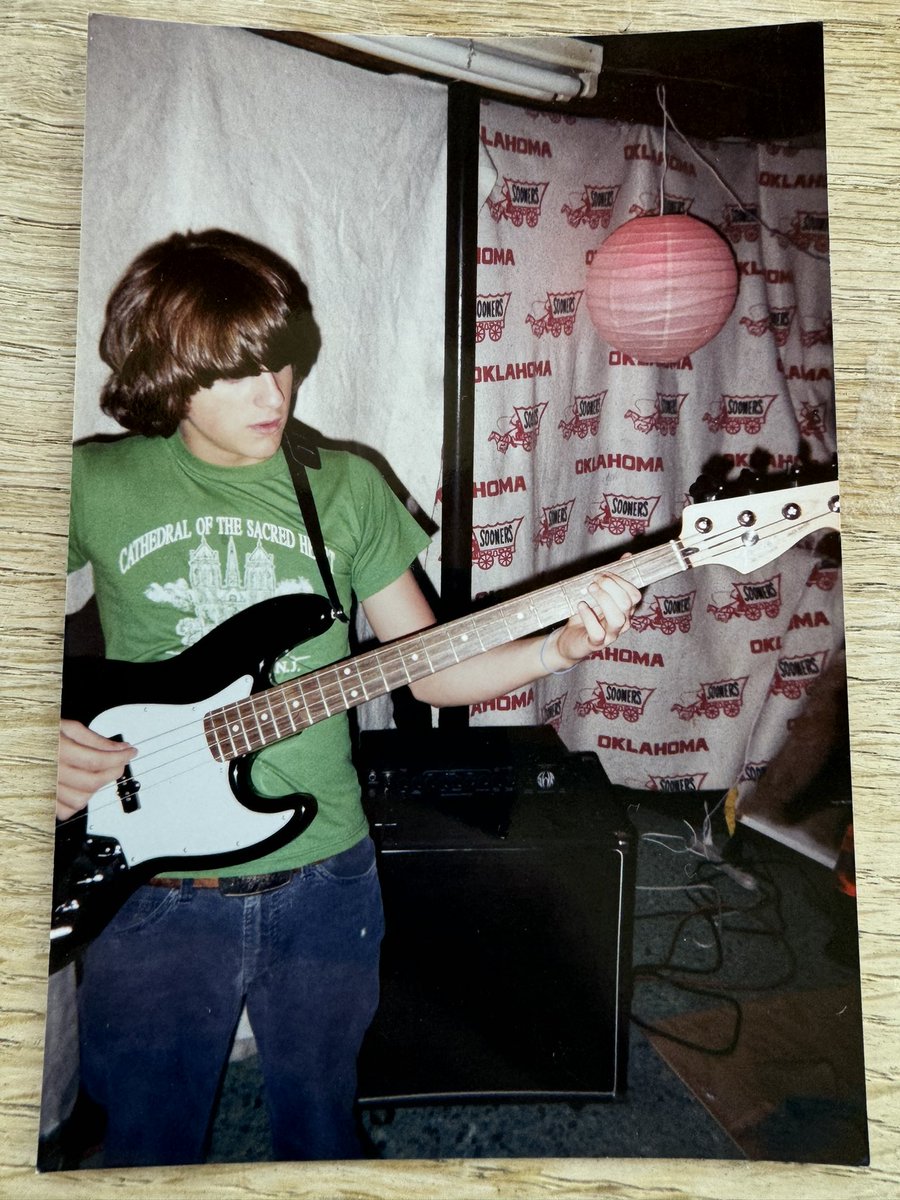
(370, 671)
(166, 745)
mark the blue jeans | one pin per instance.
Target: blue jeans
(163, 989)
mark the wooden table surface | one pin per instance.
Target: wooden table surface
(43, 45)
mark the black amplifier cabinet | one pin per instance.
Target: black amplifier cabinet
(507, 870)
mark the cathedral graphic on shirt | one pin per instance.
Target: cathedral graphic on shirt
(211, 594)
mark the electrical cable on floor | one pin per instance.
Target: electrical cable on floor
(719, 1051)
(659, 972)
(767, 907)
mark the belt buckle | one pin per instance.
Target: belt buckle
(253, 885)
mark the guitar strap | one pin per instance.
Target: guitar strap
(299, 455)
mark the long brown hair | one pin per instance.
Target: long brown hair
(191, 309)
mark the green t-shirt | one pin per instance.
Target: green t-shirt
(178, 545)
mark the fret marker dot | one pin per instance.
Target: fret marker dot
(265, 716)
(235, 728)
(414, 657)
(354, 693)
(347, 670)
(295, 704)
(464, 638)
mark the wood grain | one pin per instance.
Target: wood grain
(43, 47)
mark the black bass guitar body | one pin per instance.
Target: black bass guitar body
(182, 804)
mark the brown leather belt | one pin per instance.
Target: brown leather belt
(234, 885)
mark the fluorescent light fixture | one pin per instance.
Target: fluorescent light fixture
(557, 68)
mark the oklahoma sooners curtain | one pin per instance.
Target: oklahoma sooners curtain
(580, 450)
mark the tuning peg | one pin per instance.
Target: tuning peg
(748, 483)
(796, 473)
(705, 488)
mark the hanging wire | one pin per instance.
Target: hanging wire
(661, 97)
(667, 121)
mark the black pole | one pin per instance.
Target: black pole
(463, 132)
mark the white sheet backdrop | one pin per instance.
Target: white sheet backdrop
(340, 170)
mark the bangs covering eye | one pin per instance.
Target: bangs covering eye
(196, 308)
(237, 325)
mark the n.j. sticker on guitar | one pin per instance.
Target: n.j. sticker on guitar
(186, 802)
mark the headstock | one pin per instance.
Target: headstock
(746, 531)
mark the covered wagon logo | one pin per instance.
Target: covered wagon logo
(741, 222)
(552, 712)
(495, 543)
(809, 231)
(593, 207)
(811, 421)
(823, 576)
(721, 697)
(740, 414)
(794, 676)
(518, 201)
(816, 331)
(585, 418)
(763, 320)
(677, 783)
(554, 524)
(524, 427)
(557, 314)
(613, 700)
(753, 772)
(669, 614)
(648, 205)
(659, 415)
(750, 598)
(623, 514)
(490, 316)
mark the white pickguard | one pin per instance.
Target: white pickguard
(186, 805)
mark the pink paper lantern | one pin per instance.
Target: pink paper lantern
(659, 288)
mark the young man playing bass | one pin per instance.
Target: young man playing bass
(190, 519)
